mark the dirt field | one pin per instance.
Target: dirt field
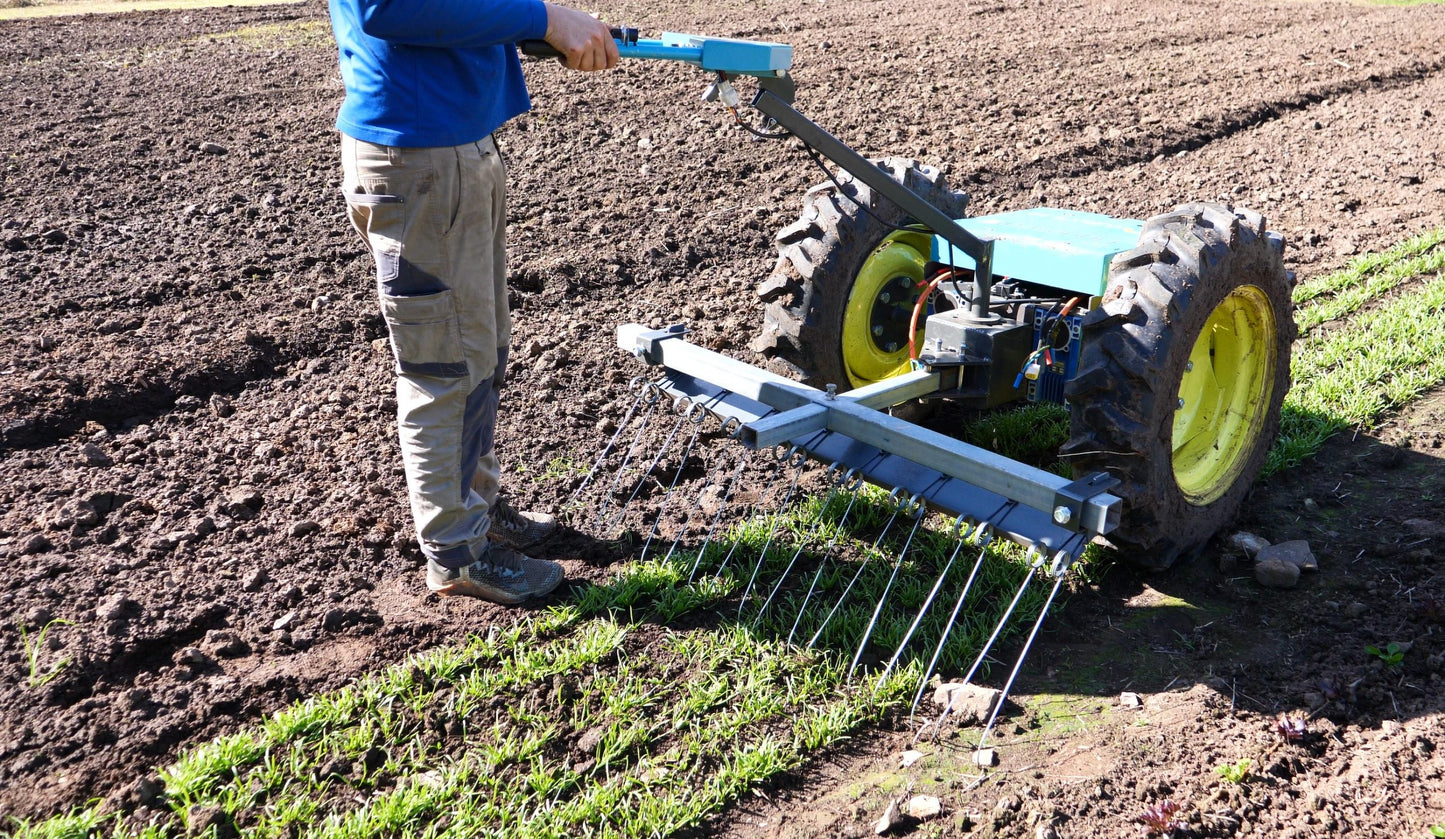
(200, 494)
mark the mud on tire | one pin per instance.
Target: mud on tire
(1184, 368)
(819, 257)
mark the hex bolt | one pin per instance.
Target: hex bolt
(890, 347)
(1181, 402)
(1189, 367)
(1063, 514)
(885, 297)
(832, 391)
(878, 329)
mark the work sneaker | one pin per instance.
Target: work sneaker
(518, 529)
(501, 575)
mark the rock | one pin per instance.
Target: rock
(1296, 552)
(241, 503)
(923, 807)
(910, 757)
(305, 527)
(93, 455)
(210, 820)
(225, 643)
(221, 406)
(192, 657)
(1277, 573)
(1130, 700)
(1247, 543)
(892, 815)
(1046, 831)
(267, 451)
(1425, 527)
(588, 742)
(1008, 804)
(284, 621)
(212, 148)
(255, 580)
(985, 758)
(970, 703)
(114, 607)
(187, 402)
(37, 544)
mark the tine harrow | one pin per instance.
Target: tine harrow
(790, 425)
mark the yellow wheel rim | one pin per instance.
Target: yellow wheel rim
(875, 322)
(1224, 395)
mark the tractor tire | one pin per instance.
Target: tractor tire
(1183, 368)
(839, 298)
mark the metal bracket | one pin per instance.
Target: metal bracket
(1069, 499)
(648, 346)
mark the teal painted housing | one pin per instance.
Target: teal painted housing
(726, 55)
(1064, 249)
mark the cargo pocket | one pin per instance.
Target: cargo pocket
(425, 335)
(382, 220)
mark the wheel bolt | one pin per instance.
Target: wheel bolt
(878, 329)
(1181, 403)
(885, 297)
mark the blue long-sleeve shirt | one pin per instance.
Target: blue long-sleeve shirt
(425, 73)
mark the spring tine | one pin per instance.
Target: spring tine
(817, 528)
(867, 558)
(1033, 633)
(1008, 613)
(657, 458)
(981, 535)
(922, 610)
(917, 509)
(696, 414)
(732, 481)
(852, 481)
(652, 395)
(638, 385)
(799, 460)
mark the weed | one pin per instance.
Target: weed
(1438, 830)
(1159, 819)
(1235, 773)
(35, 650)
(1393, 654)
(1291, 729)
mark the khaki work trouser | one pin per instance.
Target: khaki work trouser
(434, 220)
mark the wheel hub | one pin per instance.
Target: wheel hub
(1223, 394)
(880, 305)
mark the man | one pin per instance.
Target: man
(426, 85)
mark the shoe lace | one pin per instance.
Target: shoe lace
(503, 514)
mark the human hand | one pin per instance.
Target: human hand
(585, 42)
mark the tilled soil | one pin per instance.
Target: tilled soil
(201, 495)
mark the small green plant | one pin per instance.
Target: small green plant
(35, 650)
(1235, 773)
(1438, 830)
(1393, 654)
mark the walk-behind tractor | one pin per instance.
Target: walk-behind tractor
(1168, 339)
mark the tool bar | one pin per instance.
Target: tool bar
(801, 410)
(720, 55)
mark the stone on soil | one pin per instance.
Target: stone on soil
(923, 807)
(969, 703)
(1276, 573)
(1248, 543)
(892, 815)
(1296, 552)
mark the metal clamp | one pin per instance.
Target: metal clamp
(647, 347)
(1069, 499)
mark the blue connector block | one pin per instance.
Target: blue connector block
(1065, 249)
(724, 55)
